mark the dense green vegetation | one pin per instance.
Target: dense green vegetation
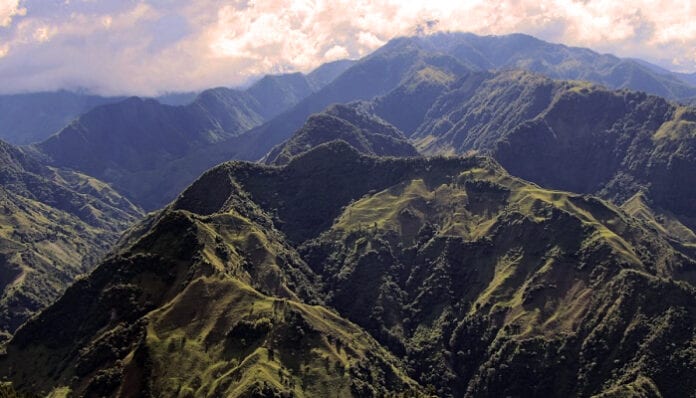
(480, 283)
(54, 226)
(571, 135)
(485, 278)
(201, 303)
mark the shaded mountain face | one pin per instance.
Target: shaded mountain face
(129, 143)
(54, 226)
(33, 117)
(469, 275)
(355, 124)
(277, 93)
(406, 105)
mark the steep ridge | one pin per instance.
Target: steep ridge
(199, 302)
(474, 273)
(353, 123)
(572, 136)
(326, 73)
(54, 226)
(639, 206)
(277, 93)
(480, 109)
(406, 105)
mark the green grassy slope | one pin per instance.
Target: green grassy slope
(54, 225)
(572, 136)
(484, 279)
(476, 277)
(201, 303)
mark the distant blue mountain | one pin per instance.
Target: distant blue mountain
(27, 118)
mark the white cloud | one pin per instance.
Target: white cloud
(8, 9)
(147, 47)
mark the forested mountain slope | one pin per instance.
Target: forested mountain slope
(470, 276)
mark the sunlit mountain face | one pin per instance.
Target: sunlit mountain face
(365, 199)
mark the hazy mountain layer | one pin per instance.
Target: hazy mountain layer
(164, 174)
(33, 117)
(129, 143)
(355, 124)
(519, 51)
(151, 152)
(29, 118)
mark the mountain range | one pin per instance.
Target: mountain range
(153, 164)
(452, 215)
(139, 145)
(352, 123)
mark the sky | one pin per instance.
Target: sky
(150, 47)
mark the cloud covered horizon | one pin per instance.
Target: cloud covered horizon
(115, 47)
